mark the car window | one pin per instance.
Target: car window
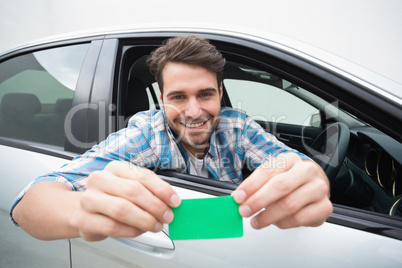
(295, 115)
(271, 102)
(36, 93)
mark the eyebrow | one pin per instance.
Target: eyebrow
(178, 92)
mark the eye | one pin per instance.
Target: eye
(177, 97)
(205, 94)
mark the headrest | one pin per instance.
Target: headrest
(137, 97)
(20, 105)
(63, 105)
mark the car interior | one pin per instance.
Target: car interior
(22, 111)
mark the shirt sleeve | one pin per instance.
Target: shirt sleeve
(261, 145)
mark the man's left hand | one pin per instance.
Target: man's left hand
(287, 192)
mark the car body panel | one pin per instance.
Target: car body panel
(332, 244)
(17, 248)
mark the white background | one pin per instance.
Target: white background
(367, 32)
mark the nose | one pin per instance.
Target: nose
(193, 108)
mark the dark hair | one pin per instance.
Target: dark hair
(190, 50)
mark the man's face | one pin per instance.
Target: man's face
(191, 99)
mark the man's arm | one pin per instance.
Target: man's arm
(289, 191)
(122, 200)
(46, 210)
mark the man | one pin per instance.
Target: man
(192, 133)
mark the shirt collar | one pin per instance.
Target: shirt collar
(225, 123)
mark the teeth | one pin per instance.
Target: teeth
(195, 125)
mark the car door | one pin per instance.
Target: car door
(39, 85)
(352, 236)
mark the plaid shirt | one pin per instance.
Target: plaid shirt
(148, 142)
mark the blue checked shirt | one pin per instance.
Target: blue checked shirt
(148, 142)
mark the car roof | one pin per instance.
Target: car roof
(378, 83)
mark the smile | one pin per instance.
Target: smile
(188, 125)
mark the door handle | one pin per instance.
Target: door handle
(157, 240)
(284, 138)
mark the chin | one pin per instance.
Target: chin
(197, 143)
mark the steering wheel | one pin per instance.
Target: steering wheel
(330, 147)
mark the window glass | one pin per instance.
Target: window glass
(266, 102)
(36, 93)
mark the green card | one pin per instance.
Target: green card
(206, 218)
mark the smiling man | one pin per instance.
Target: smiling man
(191, 100)
(111, 190)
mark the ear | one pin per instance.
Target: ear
(160, 97)
(220, 91)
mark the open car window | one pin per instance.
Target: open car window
(369, 175)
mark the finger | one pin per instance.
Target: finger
(119, 210)
(96, 227)
(262, 174)
(308, 216)
(274, 189)
(149, 179)
(291, 204)
(133, 191)
(277, 188)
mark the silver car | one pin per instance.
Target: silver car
(60, 97)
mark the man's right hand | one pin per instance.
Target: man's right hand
(124, 200)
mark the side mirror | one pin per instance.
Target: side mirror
(315, 120)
